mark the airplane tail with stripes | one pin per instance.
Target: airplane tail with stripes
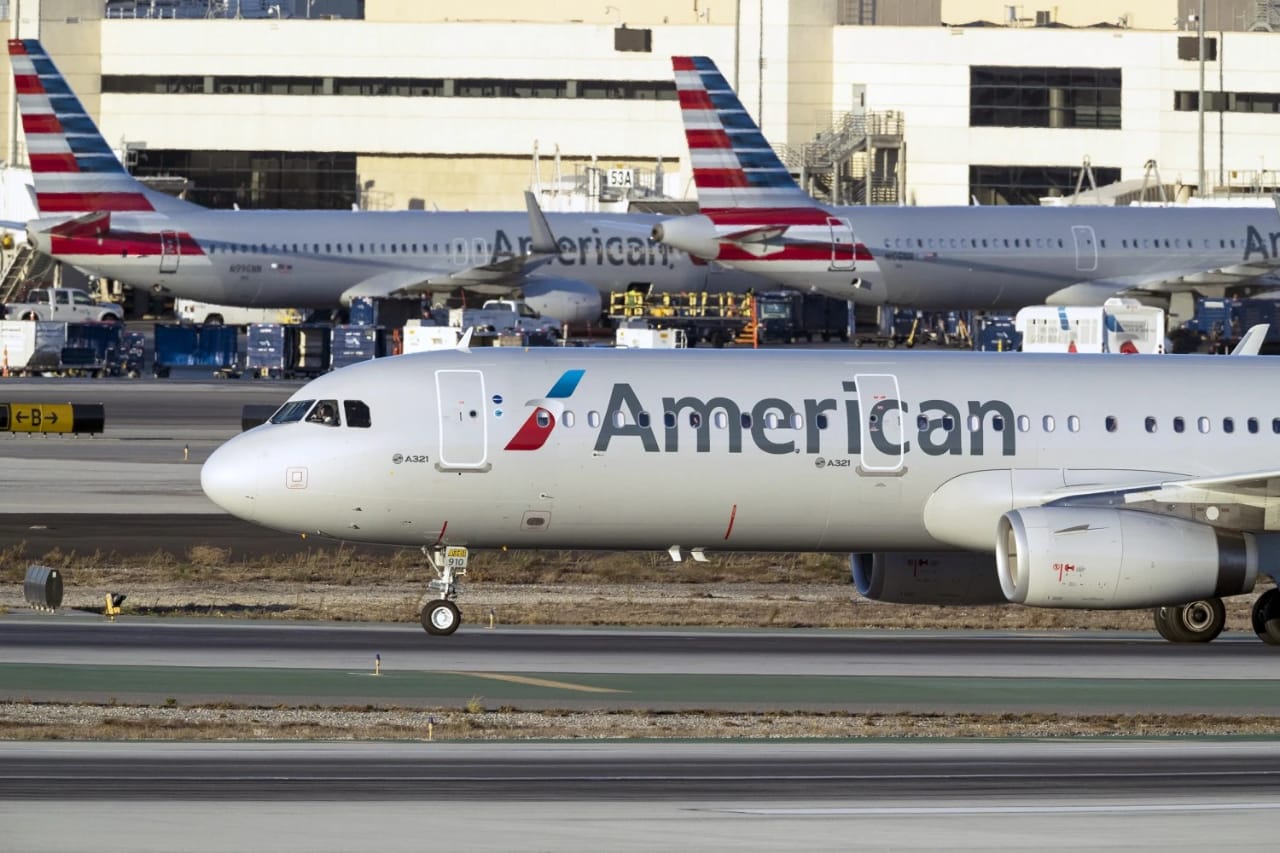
(76, 174)
(754, 216)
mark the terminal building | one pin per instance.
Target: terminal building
(464, 104)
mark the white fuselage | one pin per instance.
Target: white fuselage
(645, 450)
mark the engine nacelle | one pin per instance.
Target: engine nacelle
(927, 577)
(564, 299)
(693, 234)
(1116, 559)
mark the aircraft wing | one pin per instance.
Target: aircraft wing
(1100, 290)
(500, 276)
(1245, 501)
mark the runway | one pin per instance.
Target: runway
(641, 796)
(82, 657)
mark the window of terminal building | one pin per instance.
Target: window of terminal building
(1228, 102)
(1019, 96)
(139, 84)
(493, 88)
(268, 85)
(401, 87)
(293, 180)
(635, 90)
(1028, 184)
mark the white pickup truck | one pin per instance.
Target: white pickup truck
(63, 304)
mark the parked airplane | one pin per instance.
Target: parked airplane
(95, 216)
(955, 478)
(754, 217)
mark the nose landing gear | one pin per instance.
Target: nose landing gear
(440, 616)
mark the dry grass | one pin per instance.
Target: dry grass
(20, 721)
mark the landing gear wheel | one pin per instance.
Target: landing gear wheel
(441, 617)
(1195, 622)
(1266, 617)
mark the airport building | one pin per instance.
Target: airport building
(393, 104)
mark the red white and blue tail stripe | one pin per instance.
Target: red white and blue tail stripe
(74, 169)
(733, 164)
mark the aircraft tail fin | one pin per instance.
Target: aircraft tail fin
(733, 164)
(74, 169)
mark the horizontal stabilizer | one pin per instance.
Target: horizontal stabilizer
(1251, 343)
(88, 225)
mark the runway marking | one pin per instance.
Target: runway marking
(900, 811)
(540, 682)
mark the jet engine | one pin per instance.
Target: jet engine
(927, 577)
(693, 234)
(1114, 559)
(563, 299)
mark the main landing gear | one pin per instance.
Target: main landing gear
(1202, 621)
(440, 616)
(1266, 617)
(1195, 622)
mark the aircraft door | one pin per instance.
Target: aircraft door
(1086, 248)
(842, 244)
(883, 423)
(170, 251)
(463, 420)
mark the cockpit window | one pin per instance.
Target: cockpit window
(357, 414)
(291, 411)
(325, 412)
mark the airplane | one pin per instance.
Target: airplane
(755, 217)
(97, 217)
(950, 478)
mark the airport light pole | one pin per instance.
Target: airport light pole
(1200, 188)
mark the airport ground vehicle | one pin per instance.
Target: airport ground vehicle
(711, 318)
(788, 315)
(64, 304)
(194, 311)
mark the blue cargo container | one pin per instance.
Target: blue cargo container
(265, 353)
(357, 343)
(91, 347)
(997, 333)
(363, 311)
(214, 347)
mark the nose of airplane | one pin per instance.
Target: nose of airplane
(229, 478)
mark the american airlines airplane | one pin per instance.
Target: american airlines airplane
(95, 216)
(754, 217)
(952, 478)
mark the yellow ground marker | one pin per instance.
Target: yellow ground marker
(540, 682)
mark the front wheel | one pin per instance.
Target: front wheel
(441, 617)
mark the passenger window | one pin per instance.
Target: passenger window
(997, 423)
(567, 419)
(1073, 423)
(1151, 424)
(1203, 424)
(543, 418)
(1024, 423)
(325, 412)
(975, 423)
(821, 421)
(772, 421)
(642, 419)
(291, 412)
(922, 422)
(1111, 423)
(1049, 424)
(357, 414)
(746, 421)
(669, 420)
(721, 420)
(1179, 425)
(695, 420)
(619, 420)
(948, 423)
(1228, 425)
(1275, 425)
(1252, 424)
(593, 419)
(797, 421)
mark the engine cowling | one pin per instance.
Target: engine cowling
(1115, 559)
(693, 234)
(566, 300)
(927, 577)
